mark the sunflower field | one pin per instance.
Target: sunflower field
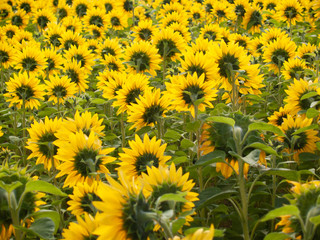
(159, 119)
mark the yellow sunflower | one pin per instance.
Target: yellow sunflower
(7, 53)
(144, 30)
(53, 35)
(120, 207)
(1, 133)
(222, 12)
(256, 47)
(82, 197)
(308, 53)
(253, 19)
(277, 52)
(295, 92)
(270, 7)
(302, 142)
(272, 34)
(169, 43)
(43, 17)
(289, 11)
(30, 59)
(294, 69)
(19, 19)
(141, 154)
(241, 40)
(182, 30)
(142, 57)
(70, 38)
(117, 20)
(20, 37)
(111, 82)
(133, 87)
(174, 17)
(82, 158)
(93, 46)
(9, 30)
(84, 122)
(240, 8)
(81, 230)
(149, 109)
(6, 232)
(80, 7)
(96, 17)
(54, 61)
(107, 5)
(82, 56)
(196, 12)
(161, 180)
(5, 11)
(112, 63)
(200, 64)
(72, 23)
(76, 73)
(63, 10)
(198, 235)
(277, 117)
(110, 46)
(59, 88)
(126, 6)
(202, 45)
(186, 90)
(211, 32)
(172, 6)
(42, 136)
(23, 88)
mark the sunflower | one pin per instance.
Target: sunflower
(272, 34)
(6, 232)
(82, 230)
(112, 63)
(63, 10)
(240, 8)
(199, 234)
(308, 53)
(9, 30)
(19, 19)
(22, 88)
(142, 57)
(241, 40)
(289, 11)
(253, 19)
(70, 38)
(84, 122)
(294, 68)
(210, 32)
(185, 91)
(169, 43)
(173, 6)
(111, 82)
(54, 61)
(53, 35)
(76, 73)
(277, 117)
(270, 6)
(72, 23)
(298, 143)
(110, 46)
(96, 17)
(161, 180)
(7, 53)
(149, 109)
(120, 209)
(20, 37)
(82, 56)
(196, 12)
(60, 88)
(182, 30)
(43, 17)
(149, 152)
(82, 158)
(174, 17)
(108, 5)
(256, 47)
(30, 59)
(133, 87)
(126, 7)
(223, 11)
(208, 7)
(93, 46)
(5, 11)
(80, 7)
(279, 51)
(139, 15)
(117, 20)
(201, 45)
(144, 30)
(1, 133)
(82, 197)
(42, 136)
(200, 64)
(295, 93)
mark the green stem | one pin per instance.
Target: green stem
(123, 133)
(274, 190)
(23, 132)
(164, 68)
(14, 211)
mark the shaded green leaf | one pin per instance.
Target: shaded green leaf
(213, 157)
(312, 113)
(213, 194)
(261, 126)
(300, 130)
(173, 135)
(186, 143)
(282, 211)
(43, 186)
(263, 147)
(178, 224)
(43, 228)
(193, 126)
(53, 215)
(277, 236)
(308, 95)
(221, 119)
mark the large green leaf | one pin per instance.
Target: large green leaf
(288, 174)
(53, 215)
(253, 157)
(213, 194)
(42, 186)
(43, 228)
(213, 157)
(261, 126)
(281, 211)
(277, 236)
(221, 119)
(263, 147)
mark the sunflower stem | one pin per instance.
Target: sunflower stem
(23, 131)
(274, 189)
(123, 133)
(164, 67)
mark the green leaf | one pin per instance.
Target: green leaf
(263, 147)
(176, 197)
(43, 228)
(193, 126)
(282, 211)
(179, 160)
(218, 233)
(307, 156)
(315, 220)
(99, 101)
(312, 113)
(10, 187)
(43, 186)
(308, 95)
(110, 137)
(53, 215)
(213, 194)
(261, 126)
(253, 157)
(313, 126)
(284, 172)
(186, 143)
(213, 157)
(277, 236)
(173, 135)
(221, 119)
(178, 224)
